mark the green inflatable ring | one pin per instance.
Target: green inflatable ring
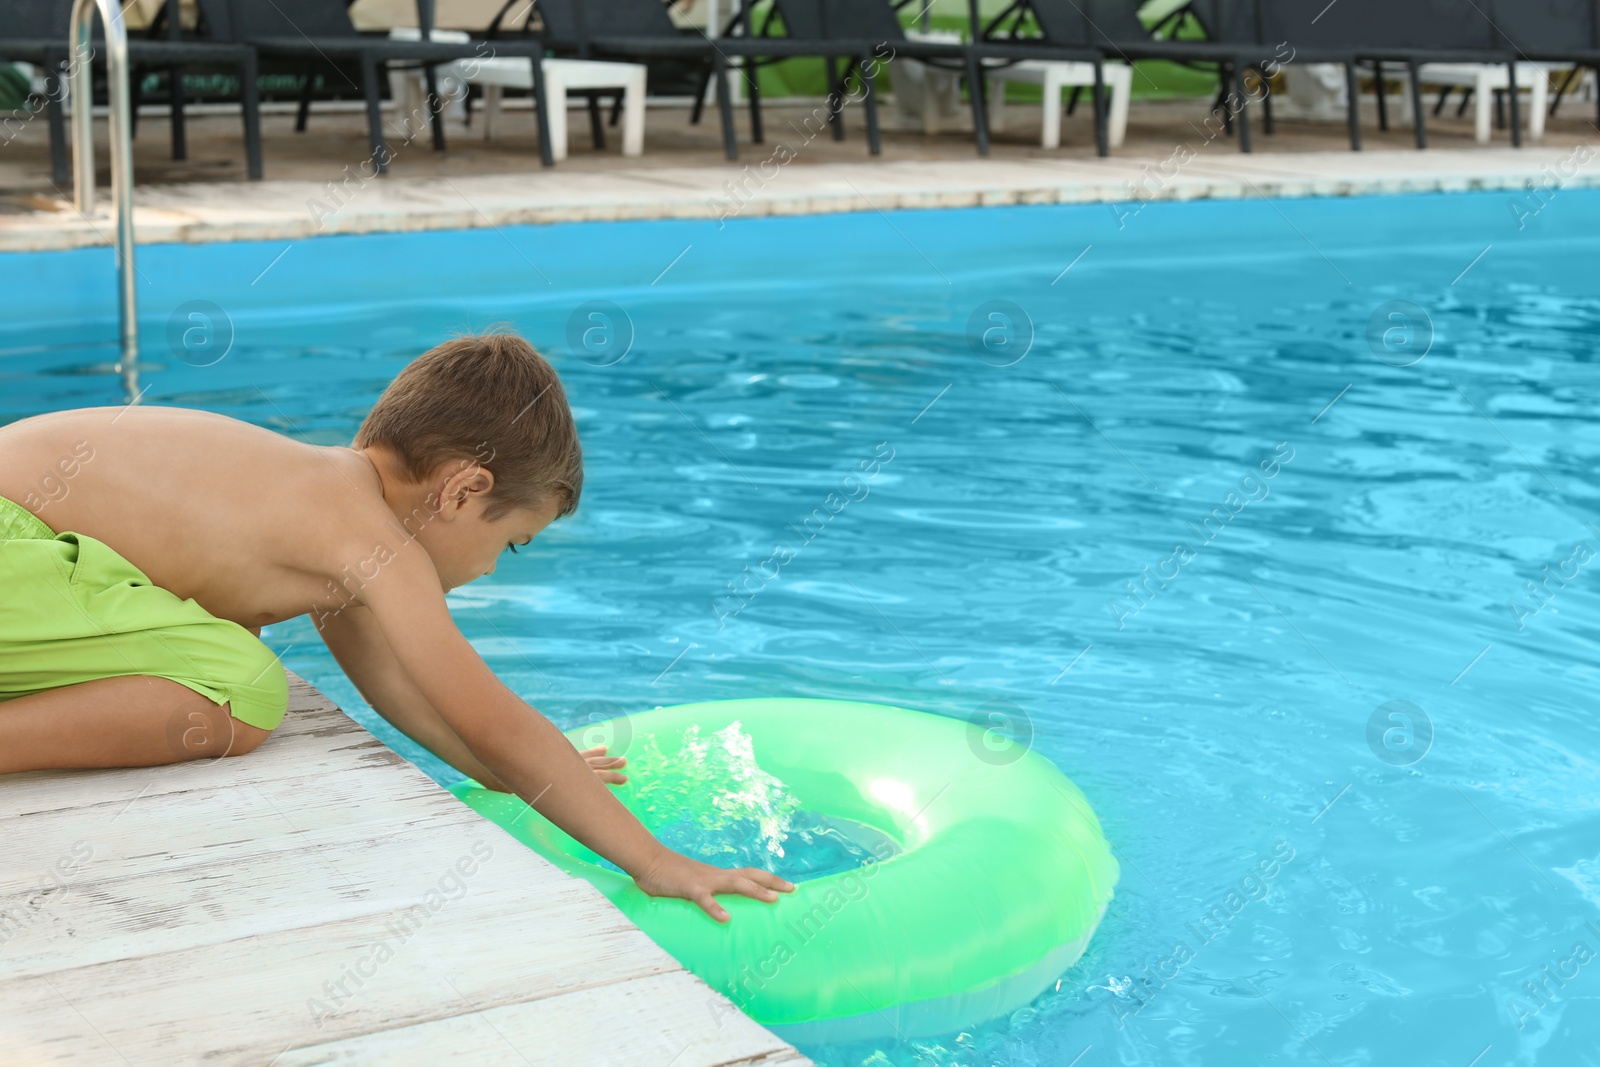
(1001, 877)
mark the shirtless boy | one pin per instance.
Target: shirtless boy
(143, 548)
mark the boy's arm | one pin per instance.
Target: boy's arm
(524, 749)
(353, 636)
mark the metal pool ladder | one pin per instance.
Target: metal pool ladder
(81, 88)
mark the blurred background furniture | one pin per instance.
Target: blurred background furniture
(1484, 86)
(935, 92)
(560, 77)
(1563, 32)
(495, 74)
(637, 31)
(319, 33)
(872, 33)
(1056, 78)
(35, 32)
(1234, 45)
(1406, 33)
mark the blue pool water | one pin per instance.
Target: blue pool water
(1338, 739)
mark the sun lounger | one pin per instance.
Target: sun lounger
(35, 31)
(320, 33)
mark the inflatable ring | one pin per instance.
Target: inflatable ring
(998, 875)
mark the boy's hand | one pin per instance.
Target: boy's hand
(676, 875)
(603, 763)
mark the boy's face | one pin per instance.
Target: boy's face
(464, 546)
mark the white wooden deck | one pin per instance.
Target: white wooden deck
(210, 913)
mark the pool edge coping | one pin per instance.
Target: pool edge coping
(224, 212)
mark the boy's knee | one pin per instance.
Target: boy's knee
(244, 737)
(254, 696)
(203, 729)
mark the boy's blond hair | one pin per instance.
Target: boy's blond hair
(485, 398)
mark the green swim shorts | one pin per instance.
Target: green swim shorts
(72, 610)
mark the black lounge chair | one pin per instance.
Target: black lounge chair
(1059, 35)
(524, 10)
(635, 30)
(640, 30)
(1551, 31)
(864, 28)
(1246, 34)
(319, 32)
(1113, 29)
(741, 26)
(1276, 24)
(866, 31)
(35, 31)
(1400, 31)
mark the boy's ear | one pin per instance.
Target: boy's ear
(461, 483)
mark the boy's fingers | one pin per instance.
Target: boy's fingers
(766, 878)
(709, 904)
(749, 887)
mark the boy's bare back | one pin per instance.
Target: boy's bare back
(252, 525)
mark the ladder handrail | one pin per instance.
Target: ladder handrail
(81, 89)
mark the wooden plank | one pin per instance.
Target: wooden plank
(252, 998)
(314, 738)
(672, 1018)
(215, 818)
(101, 920)
(177, 830)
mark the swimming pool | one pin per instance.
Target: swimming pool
(1312, 872)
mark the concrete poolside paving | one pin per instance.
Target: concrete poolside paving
(290, 210)
(317, 185)
(320, 901)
